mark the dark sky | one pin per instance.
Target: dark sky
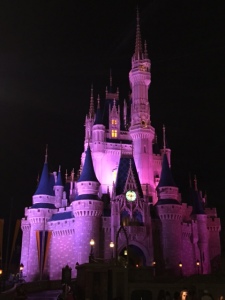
(52, 51)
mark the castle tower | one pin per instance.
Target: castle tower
(170, 213)
(87, 209)
(89, 121)
(141, 131)
(98, 132)
(58, 188)
(34, 227)
(199, 215)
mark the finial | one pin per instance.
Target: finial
(38, 178)
(138, 46)
(72, 175)
(46, 154)
(59, 168)
(91, 109)
(195, 183)
(98, 101)
(190, 183)
(146, 50)
(110, 78)
(117, 91)
(164, 138)
(66, 175)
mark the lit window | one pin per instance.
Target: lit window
(114, 174)
(114, 133)
(114, 121)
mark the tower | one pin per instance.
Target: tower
(87, 208)
(141, 131)
(169, 210)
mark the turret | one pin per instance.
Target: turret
(36, 221)
(141, 131)
(170, 213)
(89, 121)
(98, 132)
(58, 188)
(87, 209)
(199, 215)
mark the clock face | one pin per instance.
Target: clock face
(131, 195)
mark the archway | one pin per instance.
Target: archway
(136, 256)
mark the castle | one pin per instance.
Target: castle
(124, 194)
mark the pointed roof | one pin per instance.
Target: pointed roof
(88, 172)
(166, 178)
(98, 117)
(138, 43)
(126, 167)
(91, 108)
(197, 203)
(59, 178)
(51, 184)
(43, 186)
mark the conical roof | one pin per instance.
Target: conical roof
(59, 179)
(166, 178)
(88, 172)
(43, 186)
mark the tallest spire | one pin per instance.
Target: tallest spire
(138, 44)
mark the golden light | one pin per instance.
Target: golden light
(153, 263)
(180, 264)
(92, 242)
(111, 245)
(197, 263)
(125, 252)
(1, 271)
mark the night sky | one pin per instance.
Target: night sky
(51, 52)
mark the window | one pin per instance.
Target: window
(114, 133)
(114, 122)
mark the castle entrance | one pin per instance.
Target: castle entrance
(136, 257)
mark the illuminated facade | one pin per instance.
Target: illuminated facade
(125, 180)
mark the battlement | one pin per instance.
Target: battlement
(186, 230)
(213, 224)
(211, 212)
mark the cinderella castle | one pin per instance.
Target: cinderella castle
(124, 195)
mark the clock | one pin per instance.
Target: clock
(131, 195)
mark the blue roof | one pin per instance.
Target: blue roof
(166, 178)
(122, 174)
(59, 179)
(87, 196)
(43, 205)
(98, 117)
(51, 184)
(62, 216)
(88, 172)
(197, 203)
(43, 186)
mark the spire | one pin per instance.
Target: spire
(91, 109)
(166, 178)
(88, 173)
(46, 154)
(138, 45)
(164, 138)
(59, 178)
(145, 50)
(98, 117)
(195, 183)
(43, 185)
(110, 79)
